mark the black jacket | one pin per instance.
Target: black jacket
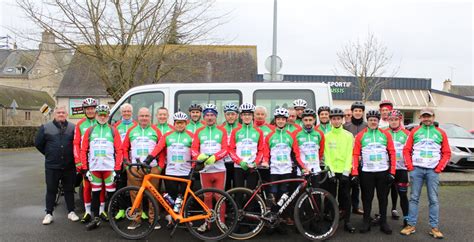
(54, 141)
(355, 126)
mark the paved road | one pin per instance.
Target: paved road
(22, 209)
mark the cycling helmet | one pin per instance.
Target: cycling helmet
(336, 112)
(231, 107)
(323, 108)
(308, 112)
(395, 113)
(386, 102)
(89, 102)
(358, 104)
(300, 103)
(281, 112)
(210, 108)
(247, 108)
(373, 114)
(180, 116)
(102, 109)
(195, 106)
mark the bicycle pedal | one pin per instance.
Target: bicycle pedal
(175, 226)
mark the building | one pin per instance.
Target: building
(187, 63)
(408, 95)
(462, 90)
(21, 106)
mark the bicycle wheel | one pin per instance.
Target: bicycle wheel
(316, 214)
(222, 221)
(249, 222)
(126, 225)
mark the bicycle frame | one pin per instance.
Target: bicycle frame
(147, 185)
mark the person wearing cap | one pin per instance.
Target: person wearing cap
(374, 150)
(323, 115)
(386, 106)
(195, 112)
(356, 125)
(162, 116)
(338, 160)
(299, 105)
(426, 154)
(101, 158)
(210, 145)
(231, 122)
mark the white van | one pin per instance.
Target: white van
(179, 96)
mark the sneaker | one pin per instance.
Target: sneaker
(358, 211)
(349, 228)
(375, 220)
(157, 226)
(120, 214)
(144, 216)
(134, 225)
(72, 216)
(364, 228)
(408, 230)
(104, 216)
(436, 233)
(384, 227)
(395, 214)
(93, 224)
(202, 228)
(86, 218)
(48, 219)
(290, 222)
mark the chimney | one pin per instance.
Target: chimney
(48, 42)
(447, 85)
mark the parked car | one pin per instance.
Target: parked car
(472, 131)
(462, 146)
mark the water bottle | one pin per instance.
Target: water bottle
(168, 199)
(178, 203)
(283, 199)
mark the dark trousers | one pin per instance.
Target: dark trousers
(400, 188)
(341, 189)
(173, 188)
(229, 176)
(67, 178)
(240, 176)
(369, 182)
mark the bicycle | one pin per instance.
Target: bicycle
(194, 212)
(316, 213)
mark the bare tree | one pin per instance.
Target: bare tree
(126, 41)
(368, 62)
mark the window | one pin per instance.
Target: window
(150, 100)
(27, 115)
(408, 117)
(273, 99)
(184, 99)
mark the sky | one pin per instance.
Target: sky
(426, 39)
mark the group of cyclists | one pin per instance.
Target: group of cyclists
(298, 141)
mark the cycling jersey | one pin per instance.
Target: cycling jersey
(427, 147)
(101, 149)
(246, 144)
(299, 122)
(165, 128)
(194, 126)
(324, 127)
(140, 142)
(311, 149)
(378, 151)
(210, 140)
(266, 129)
(123, 128)
(278, 147)
(178, 152)
(338, 150)
(292, 127)
(228, 128)
(399, 139)
(79, 132)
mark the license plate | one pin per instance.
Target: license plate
(471, 158)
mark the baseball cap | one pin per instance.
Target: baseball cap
(428, 111)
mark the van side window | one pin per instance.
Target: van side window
(273, 99)
(184, 99)
(150, 100)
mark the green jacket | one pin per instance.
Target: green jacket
(338, 150)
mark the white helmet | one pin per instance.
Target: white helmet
(300, 103)
(209, 108)
(281, 112)
(102, 109)
(247, 108)
(180, 116)
(231, 107)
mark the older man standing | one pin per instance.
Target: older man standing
(55, 141)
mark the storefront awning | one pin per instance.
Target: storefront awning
(409, 98)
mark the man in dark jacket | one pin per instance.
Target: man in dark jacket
(54, 141)
(356, 125)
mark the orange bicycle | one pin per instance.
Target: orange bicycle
(202, 221)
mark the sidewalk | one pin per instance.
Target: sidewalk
(457, 177)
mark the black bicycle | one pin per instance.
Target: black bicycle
(316, 213)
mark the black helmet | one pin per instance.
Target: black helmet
(323, 108)
(373, 114)
(308, 112)
(358, 104)
(336, 112)
(195, 106)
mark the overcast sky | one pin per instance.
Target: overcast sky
(428, 39)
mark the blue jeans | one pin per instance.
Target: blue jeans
(417, 177)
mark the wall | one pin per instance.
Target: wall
(17, 136)
(454, 110)
(36, 118)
